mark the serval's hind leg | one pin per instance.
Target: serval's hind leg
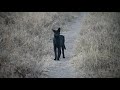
(63, 52)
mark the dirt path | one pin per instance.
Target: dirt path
(63, 68)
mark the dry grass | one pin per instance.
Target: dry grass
(98, 47)
(24, 38)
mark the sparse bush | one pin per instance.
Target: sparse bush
(98, 47)
(24, 38)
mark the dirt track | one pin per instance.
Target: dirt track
(63, 68)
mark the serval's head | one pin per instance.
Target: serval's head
(56, 32)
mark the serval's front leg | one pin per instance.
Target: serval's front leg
(59, 53)
(55, 51)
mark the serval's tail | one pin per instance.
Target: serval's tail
(64, 47)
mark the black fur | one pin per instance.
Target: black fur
(59, 43)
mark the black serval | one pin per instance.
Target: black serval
(58, 43)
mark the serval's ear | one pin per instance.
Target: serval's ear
(53, 30)
(58, 29)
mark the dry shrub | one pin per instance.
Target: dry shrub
(98, 47)
(24, 40)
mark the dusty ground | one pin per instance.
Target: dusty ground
(24, 41)
(92, 45)
(64, 67)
